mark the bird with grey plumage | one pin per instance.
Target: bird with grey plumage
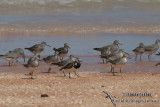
(37, 48)
(72, 67)
(20, 51)
(72, 58)
(63, 51)
(113, 47)
(10, 57)
(51, 59)
(32, 65)
(139, 51)
(151, 49)
(115, 56)
(105, 53)
(118, 63)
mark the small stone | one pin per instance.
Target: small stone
(44, 95)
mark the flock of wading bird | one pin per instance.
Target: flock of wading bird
(109, 54)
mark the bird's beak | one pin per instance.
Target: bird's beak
(120, 44)
(24, 58)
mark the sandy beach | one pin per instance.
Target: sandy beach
(17, 90)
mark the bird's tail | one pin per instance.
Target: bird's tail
(97, 49)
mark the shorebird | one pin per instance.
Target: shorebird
(37, 48)
(51, 59)
(115, 56)
(32, 64)
(20, 52)
(139, 51)
(10, 57)
(72, 67)
(151, 49)
(118, 63)
(63, 51)
(113, 47)
(105, 53)
(64, 62)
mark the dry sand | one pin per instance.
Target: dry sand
(16, 90)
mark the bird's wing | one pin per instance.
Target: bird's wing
(150, 47)
(67, 66)
(34, 47)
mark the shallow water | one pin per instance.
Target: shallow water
(81, 45)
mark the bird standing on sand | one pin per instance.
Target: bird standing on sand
(139, 51)
(72, 67)
(21, 53)
(118, 63)
(64, 62)
(151, 49)
(113, 47)
(10, 57)
(32, 64)
(63, 51)
(37, 48)
(51, 59)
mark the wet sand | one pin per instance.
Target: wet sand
(16, 90)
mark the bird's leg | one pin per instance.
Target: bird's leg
(103, 60)
(148, 56)
(9, 63)
(136, 58)
(31, 73)
(69, 75)
(16, 60)
(49, 70)
(140, 57)
(35, 73)
(64, 73)
(24, 58)
(121, 71)
(111, 68)
(113, 71)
